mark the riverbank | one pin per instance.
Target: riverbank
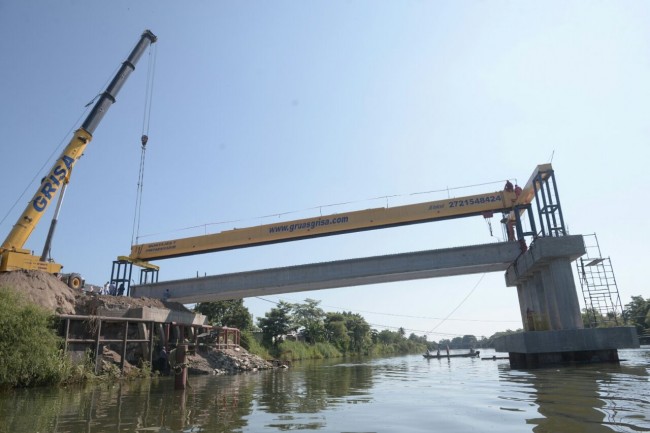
(205, 361)
(34, 299)
(225, 361)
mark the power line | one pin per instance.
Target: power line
(447, 334)
(397, 315)
(461, 303)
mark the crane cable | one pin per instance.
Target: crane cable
(41, 172)
(146, 120)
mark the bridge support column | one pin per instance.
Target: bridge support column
(550, 311)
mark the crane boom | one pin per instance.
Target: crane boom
(12, 254)
(369, 219)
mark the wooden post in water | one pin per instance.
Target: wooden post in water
(97, 338)
(124, 340)
(180, 371)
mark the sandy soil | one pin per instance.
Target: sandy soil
(50, 293)
(42, 289)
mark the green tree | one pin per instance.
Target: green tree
(493, 337)
(594, 319)
(310, 320)
(359, 332)
(590, 317)
(374, 336)
(636, 313)
(336, 332)
(276, 323)
(387, 337)
(417, 338)
(469, 341)
(231, 313)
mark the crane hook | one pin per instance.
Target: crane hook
(144, 140)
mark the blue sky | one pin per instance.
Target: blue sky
(265, 108)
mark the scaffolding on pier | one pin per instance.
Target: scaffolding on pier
(603, 305)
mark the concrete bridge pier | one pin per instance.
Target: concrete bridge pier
(547, 296)
(550, 311)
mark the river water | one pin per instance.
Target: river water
(400, 394)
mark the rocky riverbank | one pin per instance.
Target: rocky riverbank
(226, 361)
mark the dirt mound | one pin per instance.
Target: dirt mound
(42, 289)
(51, 293)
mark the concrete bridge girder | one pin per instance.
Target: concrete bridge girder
(342, 273)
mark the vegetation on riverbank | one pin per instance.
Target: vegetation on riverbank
(635, 313)
(31, 352)
(304, 331)
(291, 332)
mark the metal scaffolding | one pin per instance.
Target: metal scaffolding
(602, 301)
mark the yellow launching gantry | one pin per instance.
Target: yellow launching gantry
(512, 201)
(12, 254)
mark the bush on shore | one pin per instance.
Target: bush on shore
(30, 350)
(295, 350)
(250, 343)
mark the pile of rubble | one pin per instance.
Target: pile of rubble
(225, 361)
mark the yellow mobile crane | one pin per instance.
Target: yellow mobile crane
(512, 201)
(12, 254)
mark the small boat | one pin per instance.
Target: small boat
(475, 354)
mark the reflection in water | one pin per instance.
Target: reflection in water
(589, 398)
(220, 404)
(146, 405)
(369, 395)
(315, 388)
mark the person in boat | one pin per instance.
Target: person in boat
(438, 352)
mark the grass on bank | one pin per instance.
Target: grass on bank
(295, 350)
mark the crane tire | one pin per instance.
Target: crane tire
(74, 282)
